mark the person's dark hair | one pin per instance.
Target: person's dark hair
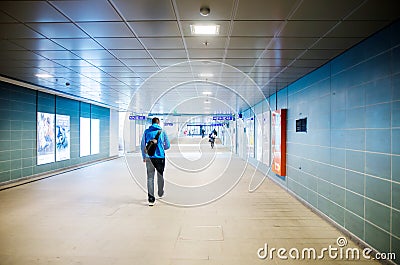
(155, 120)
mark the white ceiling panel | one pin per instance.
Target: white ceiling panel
(130, 53)
(163, 43)
(360, 29)
(105, 62)
(292, 43)
(169, 53)
(32, 11)
(248, 42)
(106, 29)
(155, 28)
(88, 10)
(145, 9)
(282, 54)
(307, 29)
(170, 61)
(38, 44)
(325, 9)
(22, 55)
(78, 44)
(58, 30)
(18, 31)
(206, 53)
(120, 43)
(58, 55)
(336, 43)
(93, 54)
(244, 53)
(264, 10)
(255, 28)
(138, 62)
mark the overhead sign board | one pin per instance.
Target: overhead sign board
(136, 117)
(223, 118)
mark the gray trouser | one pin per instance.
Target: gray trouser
(153, 164)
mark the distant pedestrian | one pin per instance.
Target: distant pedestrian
(157, 160)
(211, 139)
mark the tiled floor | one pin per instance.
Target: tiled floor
(99, 215)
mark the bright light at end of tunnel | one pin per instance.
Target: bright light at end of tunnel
(43, 75)
(204, 29)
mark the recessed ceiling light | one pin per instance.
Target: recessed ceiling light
(206, 75)
(43, 75)
(207, 102)
(207, 93)
(204, 29)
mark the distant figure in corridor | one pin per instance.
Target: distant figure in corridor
(211, 139)
(156, 161)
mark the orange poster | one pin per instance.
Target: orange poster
(279, 141)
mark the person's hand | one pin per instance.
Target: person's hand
(144, 160)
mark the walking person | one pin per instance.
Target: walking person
(212, 139)
(155, 162)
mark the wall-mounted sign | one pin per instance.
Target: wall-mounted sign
(278, 136)
(136, 117)
(301, 125)
(168, 124)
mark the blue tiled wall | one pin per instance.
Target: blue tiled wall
(347, 164)
(18, 108)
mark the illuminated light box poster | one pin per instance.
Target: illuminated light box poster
(84, 134)
(95, 137)
(278, 131)
(250, 136)
(266, 137)
(259, 137)
(45, 138)
(62, 137)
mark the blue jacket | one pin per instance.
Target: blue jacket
(162, 144)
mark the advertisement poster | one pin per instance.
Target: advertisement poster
(278, 131)
(259, 138)
(45, 138)
(250, 136)
(95, 137)
(84, 137)
(62, 137)
(266, 138)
